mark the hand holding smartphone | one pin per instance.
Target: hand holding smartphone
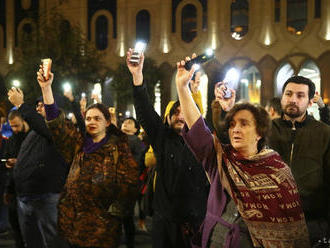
(209, 54)
(136, 54)
(225, 90)
(46, 67)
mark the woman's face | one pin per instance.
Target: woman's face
(243, 133)
(95, 122)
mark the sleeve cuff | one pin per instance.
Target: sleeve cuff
(52, 111)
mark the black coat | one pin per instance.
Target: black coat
(181, 185)
(39, 168)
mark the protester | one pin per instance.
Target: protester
(103, 175)
(273, 107)
(131, 128)
(244, 176)
(20, 130)
(304, 144)
(39, 176)
(181, 187)
(324, 109)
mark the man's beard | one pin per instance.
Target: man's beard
(293, 113)
(176, 128)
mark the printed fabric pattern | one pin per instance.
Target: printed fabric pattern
(266, 197)
(99, 187)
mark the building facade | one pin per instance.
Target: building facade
(258, 44)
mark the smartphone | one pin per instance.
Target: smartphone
(4, 160)
(136, 54)
(227, 92)
(199, 60)
(46, 67)
(112, 110)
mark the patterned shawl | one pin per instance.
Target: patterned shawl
(266, 196)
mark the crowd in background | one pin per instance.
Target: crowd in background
(254, 177)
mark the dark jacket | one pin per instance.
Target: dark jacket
(11, 150)
(40, 168)
(181, 187)
(307, 151)
(325, 114)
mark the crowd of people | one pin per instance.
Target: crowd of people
(254, 177)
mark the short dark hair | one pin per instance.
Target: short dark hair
(13, 114)
(301, 80)
(261, 117)
(275, 103)
(136, 124)
(100, 107)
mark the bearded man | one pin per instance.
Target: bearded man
(304, 144)
(180, 186)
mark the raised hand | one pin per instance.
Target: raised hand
(318, 100)
(43, 83)
(219, 93)
(96, 98)
(46, 86)
(68, 94)
(183, 76)
(16, 96)
(194, 84)
(11, 162)
(135, 69)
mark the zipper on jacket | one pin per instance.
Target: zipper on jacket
(293, 134)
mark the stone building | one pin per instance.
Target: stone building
(259, 42)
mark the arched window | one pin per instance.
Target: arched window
(27, 32)
(284, 72)
(318, 7)
(250, 83)
(239, 18)
(296, 16)
(310, 70)
(277, 10)
(65, 29)
(189, 23)
(143, 26)
(101, 32)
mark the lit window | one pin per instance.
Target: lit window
(239, 18)
(296, 16)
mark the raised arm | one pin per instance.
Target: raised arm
(220, 106)
(190, 111)
(75, 106)
(65, 135)
(145, 112)
(29, 114)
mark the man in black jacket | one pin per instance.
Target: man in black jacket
(181, 188)
(39, 176)
(20, 130)
(304, 144)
